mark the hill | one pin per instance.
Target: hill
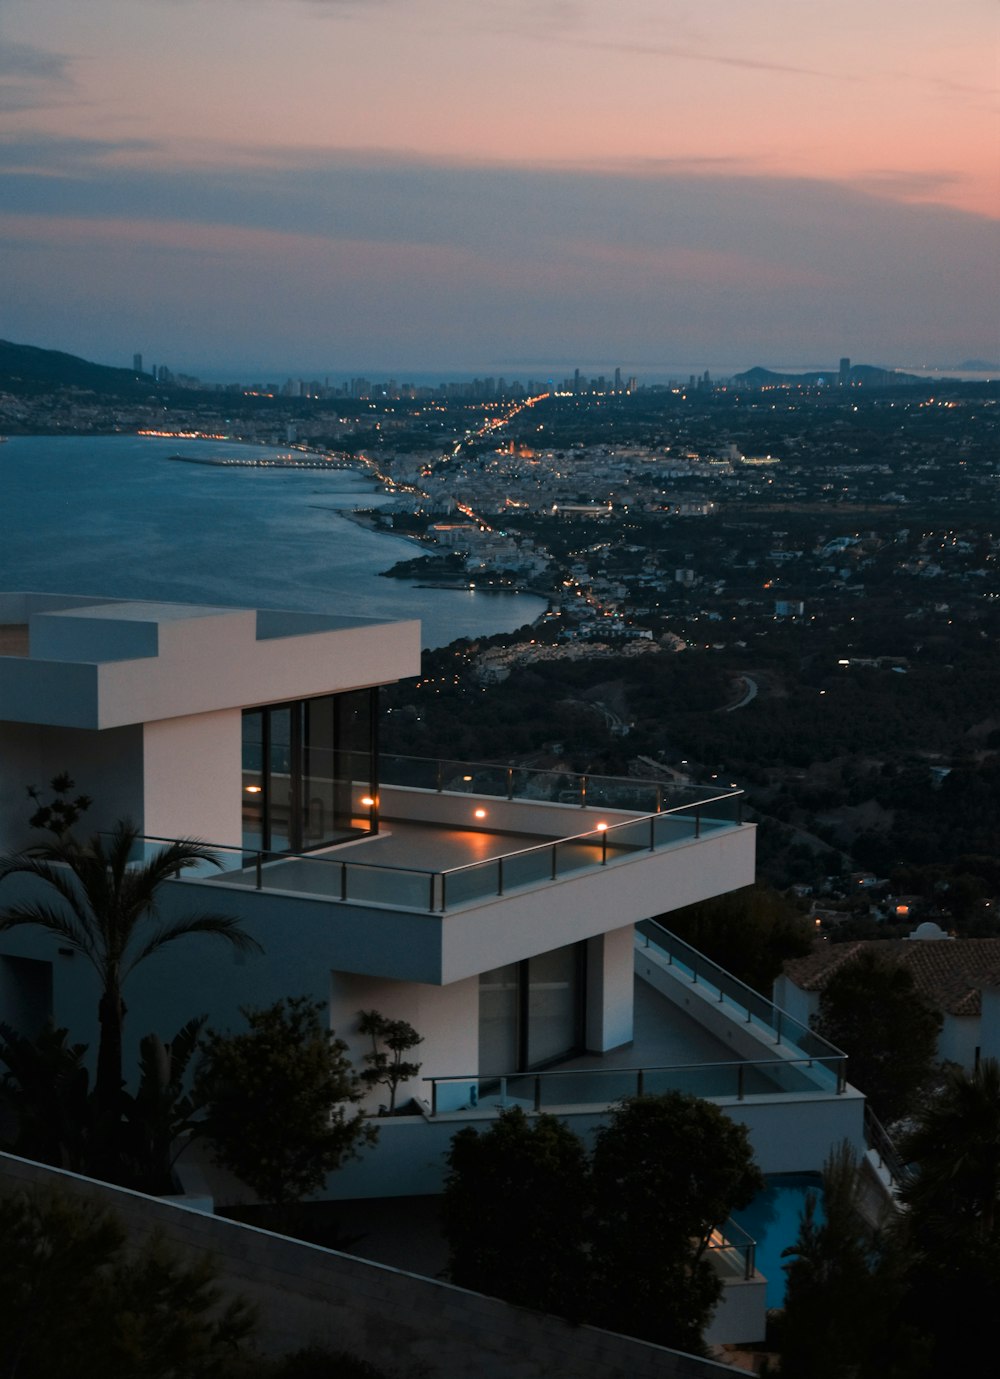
(27, 369)
(866, 374)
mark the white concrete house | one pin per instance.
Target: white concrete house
(503, 913)
(960, 978)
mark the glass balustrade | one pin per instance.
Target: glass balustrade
(565, 1087)
(684, 813)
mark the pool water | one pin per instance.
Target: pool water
(772, 1219)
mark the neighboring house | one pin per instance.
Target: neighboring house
(953, 975)
(503, 912)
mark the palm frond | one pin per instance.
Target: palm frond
(52, 871)
(179, 855)
(220, 926)
(70, 927)
(183, 1045)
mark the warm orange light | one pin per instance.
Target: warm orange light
(479, 813)
(253, 789)
(367, 799)
(602, 828)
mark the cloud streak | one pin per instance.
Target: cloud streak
(478, 181)
(32, 78)
(678, 53)
(411, 264)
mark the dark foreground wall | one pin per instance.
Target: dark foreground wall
(411, 1326)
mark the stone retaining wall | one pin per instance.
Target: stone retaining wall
(413, 1327)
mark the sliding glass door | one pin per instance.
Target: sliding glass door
(532, 1012)
(309, 772)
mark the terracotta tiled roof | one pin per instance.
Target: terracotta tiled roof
(950, 973)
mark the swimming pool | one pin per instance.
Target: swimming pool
(772, 1219)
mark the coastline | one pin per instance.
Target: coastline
(364, 517)
(135, 526)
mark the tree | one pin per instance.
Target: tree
(871, 1009)
(749, 932)
(276, 1100)
(386, 1065)
(954, 1148)
(949, 1236)
(61, 814)
(105, 906)
(514, 1212)
(834, 1305)
(77, 1303)
(46, 1087)
(667, 1170)
(161, 1112)
(618, 1241)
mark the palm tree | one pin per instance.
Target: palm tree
(950, 1236)
(955, 1149)
(105, 907)
(46, 1088)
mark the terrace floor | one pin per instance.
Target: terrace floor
(401, 846)
(663, 1035)
(435, 847)
(666, 1038)
(396, 864)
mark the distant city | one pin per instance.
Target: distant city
(579, 382)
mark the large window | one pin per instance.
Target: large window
(531, 1012)
(309, 772)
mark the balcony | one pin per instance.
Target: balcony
(487, 830)
(732, 1046)
(475, 866)
(697, 1030)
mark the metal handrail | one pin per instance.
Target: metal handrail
(584, 781)
(880, 1142)
(772, 1016)
(438, 880)
(593, 833)
(723, 1240)
(640, 1074)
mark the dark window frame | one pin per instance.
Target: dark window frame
(298, 749)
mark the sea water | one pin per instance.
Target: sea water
(115, 516)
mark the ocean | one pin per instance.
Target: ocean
(114, 516)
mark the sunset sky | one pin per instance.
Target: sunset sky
(257, 188)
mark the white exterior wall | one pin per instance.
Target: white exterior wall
(208, 663)
(801, 1005)
(192, 777)
(585, 904)
(106, 766)
(102, 665)
(959, 1039)
(797, 1134)
(989, 1025)
(788, 1134)
(447, 1017)
(957, 1043)
(741, 1314)
(610, 990)
(75, 989)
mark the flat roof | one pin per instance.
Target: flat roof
(71, 661)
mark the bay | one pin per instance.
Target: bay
(115, 516)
